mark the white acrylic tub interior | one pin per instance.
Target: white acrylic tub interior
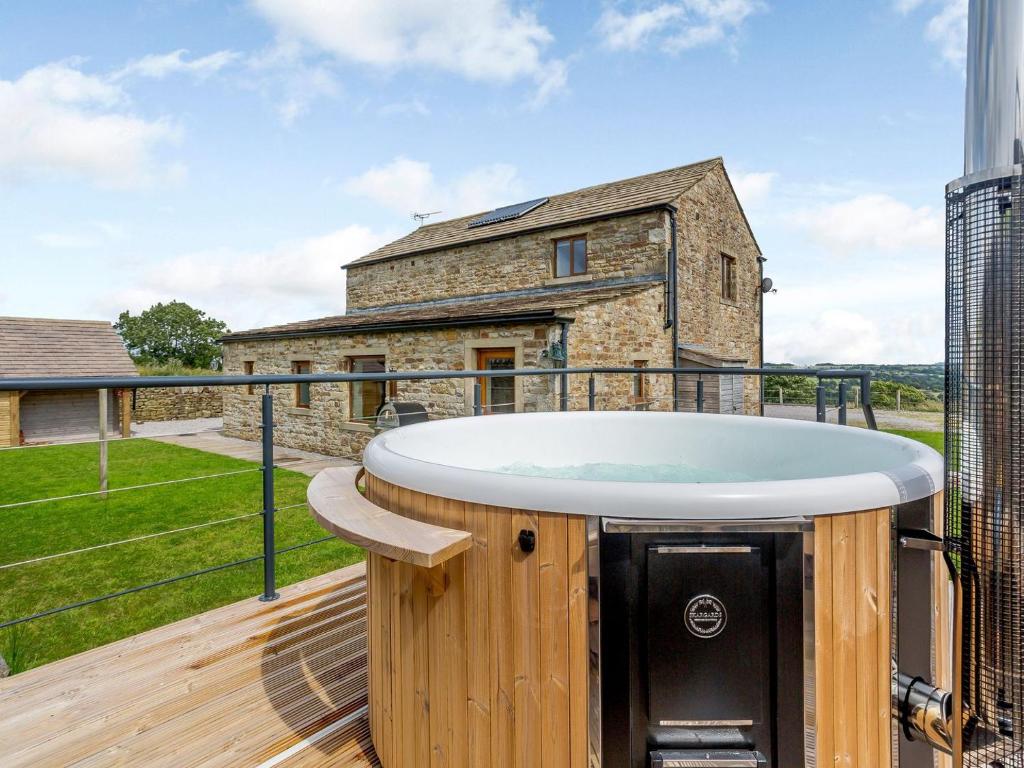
(656, 465)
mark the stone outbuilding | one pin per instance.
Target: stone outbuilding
(644, 272)
(32, 347)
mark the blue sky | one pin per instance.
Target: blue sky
(234, 154)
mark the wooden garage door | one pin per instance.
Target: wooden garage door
(61, 415)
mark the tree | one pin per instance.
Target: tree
(171, 332)
(883, 395)
(795, 389)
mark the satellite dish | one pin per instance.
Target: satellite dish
(766, 285)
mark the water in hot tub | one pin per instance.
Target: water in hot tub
(632, 473)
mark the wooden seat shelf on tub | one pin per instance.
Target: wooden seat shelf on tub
(338, 505)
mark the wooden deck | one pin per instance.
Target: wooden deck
(251, 684)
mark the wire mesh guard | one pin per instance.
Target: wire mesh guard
(984, 433)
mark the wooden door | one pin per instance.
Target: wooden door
(497, 393)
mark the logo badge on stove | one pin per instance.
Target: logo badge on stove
(705, 616)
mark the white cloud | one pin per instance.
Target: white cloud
(906, 6)
(99, 233)
(845, 336)
(292, 82)
(292, 281)
(408, 186)
(481, 40)
(60, 240)
(860, 276)
(676, 26)
(414, 106)
(948, 30)
(877, 223)
(57, 119)
(159, 66)
(754, 187)
(947, 27)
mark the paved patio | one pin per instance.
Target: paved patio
(306, 462)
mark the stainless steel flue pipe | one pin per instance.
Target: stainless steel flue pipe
(994, 115)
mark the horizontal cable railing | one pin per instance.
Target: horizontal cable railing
(563, 399)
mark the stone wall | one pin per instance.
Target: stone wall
(327, 425)
(178, 403)
(620, 247)
(710, 223)
(616, 334)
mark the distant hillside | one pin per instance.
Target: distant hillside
(929, 378)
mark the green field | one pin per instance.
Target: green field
(934, 439)
(52, 527)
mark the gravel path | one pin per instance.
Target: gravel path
(925, 421)
(157, 428)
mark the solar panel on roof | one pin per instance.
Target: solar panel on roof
(507, 212)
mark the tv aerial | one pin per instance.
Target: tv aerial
(421, 217)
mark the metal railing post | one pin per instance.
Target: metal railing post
(591, 393)
(865, 401)
(103, 442)
(819, 402)
(563, 396)
(478, 407)
(269, 586)
(700, 395)
(842, 402)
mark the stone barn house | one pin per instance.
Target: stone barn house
(647, 271)
(39, 347)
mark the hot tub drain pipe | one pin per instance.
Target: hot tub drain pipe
(924, 712)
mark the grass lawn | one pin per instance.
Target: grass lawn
(934, 439)
(60, 526)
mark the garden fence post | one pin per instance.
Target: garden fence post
(269, 586)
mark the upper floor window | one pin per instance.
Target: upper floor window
(728, 277)
(366, 397)
(302, 398)
(570, 256)
(248, 368)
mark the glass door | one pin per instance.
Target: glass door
(497, 393)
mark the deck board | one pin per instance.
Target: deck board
(253, 684)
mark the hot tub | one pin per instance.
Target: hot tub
(635, 588)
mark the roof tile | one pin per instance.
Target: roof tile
(32, 346)
(609, 199)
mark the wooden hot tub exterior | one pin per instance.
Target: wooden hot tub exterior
(481, 657)
(482, 660)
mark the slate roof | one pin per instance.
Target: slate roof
(614, 198)
(31, 346)
(534, 306)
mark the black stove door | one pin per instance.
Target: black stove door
(709, 637)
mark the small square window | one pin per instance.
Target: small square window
(248, 368)
(729, 292)
(570, 257)
(302, 391)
